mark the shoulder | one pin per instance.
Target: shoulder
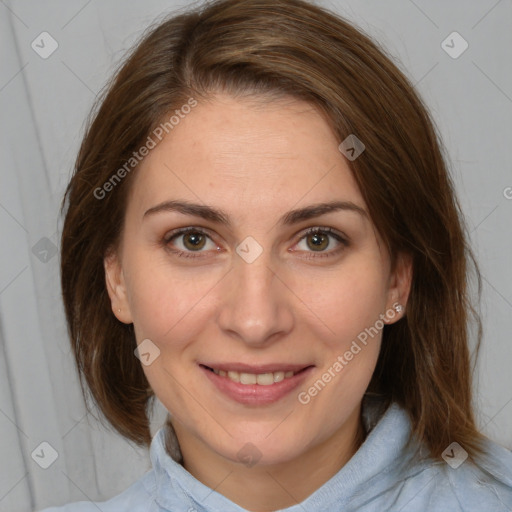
(400, 476)
(138, 497)
(461, 484)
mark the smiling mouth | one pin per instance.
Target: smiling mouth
(263, 379)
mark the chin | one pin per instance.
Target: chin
(249, 451)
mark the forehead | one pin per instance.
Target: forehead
(238, 154)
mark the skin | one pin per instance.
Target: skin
(255, 160)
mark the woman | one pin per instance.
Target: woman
(262, 233)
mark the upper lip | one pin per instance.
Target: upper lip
(258, 368)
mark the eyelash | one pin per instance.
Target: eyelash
(311, 231)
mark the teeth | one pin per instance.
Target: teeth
(279, 376)
(248, 378)
(234, 376)
(263, 379)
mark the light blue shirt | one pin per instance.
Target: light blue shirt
(383, 475)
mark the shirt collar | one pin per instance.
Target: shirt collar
(383, 450)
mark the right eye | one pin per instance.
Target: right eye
(191, 240)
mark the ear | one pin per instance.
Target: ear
(399, 287)
(116, 288)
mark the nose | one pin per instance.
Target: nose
(256, 305)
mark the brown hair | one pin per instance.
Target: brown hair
(283, 47)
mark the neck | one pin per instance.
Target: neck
(264, 488)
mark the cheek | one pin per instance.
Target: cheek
(345, 301)
(165, 303)
(168, 310)
(154, 304)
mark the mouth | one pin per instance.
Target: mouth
(255, 385)
(261, 378)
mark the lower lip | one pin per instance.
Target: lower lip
(255, 394)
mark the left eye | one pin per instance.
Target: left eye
(319, 239)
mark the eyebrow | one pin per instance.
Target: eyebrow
(288, 219)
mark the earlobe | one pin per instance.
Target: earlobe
(116, 288)
(400, 287)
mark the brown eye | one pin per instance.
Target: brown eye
(189, 242)
(194, 240)
(317, 241)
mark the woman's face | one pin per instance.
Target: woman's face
(247, 289)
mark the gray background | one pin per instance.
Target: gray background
(44, 103)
